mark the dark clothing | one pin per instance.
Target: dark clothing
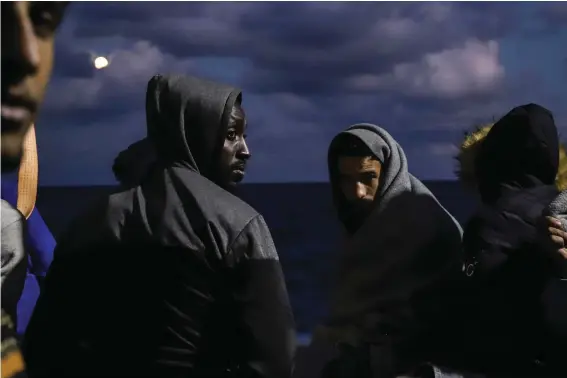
(505, 332)
(178, 278)
(395, 269)
(521, 146)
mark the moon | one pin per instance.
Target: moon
(100, 62)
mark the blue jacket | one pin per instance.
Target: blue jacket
(40, 245)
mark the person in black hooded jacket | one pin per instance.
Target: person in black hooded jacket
(506, 334)
(172, 276)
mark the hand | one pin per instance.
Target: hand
(555, 237)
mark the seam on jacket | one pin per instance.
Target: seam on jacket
(230, 250)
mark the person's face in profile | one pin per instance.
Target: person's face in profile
(235, 153)
(28, 32)
(359, 180)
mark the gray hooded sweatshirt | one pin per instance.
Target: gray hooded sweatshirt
(395, 270)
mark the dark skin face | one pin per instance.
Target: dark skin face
(359, 180)
(234, 155)
(28, 35)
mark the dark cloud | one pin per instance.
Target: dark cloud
(425, 71)
(555, 13)
(300, 47)
(71, 63)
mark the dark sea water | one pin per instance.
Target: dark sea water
(302, 222)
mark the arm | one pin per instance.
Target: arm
(41, 243)
(14, 259)
(261, 297)
(553, 240)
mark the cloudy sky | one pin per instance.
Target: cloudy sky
(424, 71)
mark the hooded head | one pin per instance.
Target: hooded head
(200, 125)
(367, 167)
(467, 155)
(520, 150)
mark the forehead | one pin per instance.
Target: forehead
(353, 164)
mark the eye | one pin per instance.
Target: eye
(45, 18)
(368, 177)
(231, 135)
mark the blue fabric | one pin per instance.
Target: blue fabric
(40, 246)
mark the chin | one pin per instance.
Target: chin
(10, 163)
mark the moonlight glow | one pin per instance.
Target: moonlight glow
(100, 62)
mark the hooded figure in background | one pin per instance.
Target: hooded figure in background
(21, 192)
(402, 250)
(171, 276)
(516, 174)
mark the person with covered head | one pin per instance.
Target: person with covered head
(401, 252)
(28, 45)
(171, 276)
(516, 172)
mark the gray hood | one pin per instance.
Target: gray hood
(395, 178)
(558, 208)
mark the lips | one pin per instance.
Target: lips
(239, 167)
(16, 112)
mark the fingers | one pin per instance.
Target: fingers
(553, 231)
(554, 222)
(557, 236)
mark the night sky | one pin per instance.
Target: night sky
(424, 71)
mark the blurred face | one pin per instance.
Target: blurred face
(28, 30)
(235, 153)
(359, 179)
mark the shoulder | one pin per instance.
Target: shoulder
(217, 203)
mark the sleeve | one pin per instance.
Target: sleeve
(14, 260)
(265, 314)
(41, 243)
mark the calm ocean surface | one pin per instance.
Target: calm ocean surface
(302, 222)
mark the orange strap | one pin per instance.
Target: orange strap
(27, 175)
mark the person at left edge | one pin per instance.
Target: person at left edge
(28, 40)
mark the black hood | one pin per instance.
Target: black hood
(187, 118)
(521, 151)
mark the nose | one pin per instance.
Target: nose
(244, 151)
(19, 43)
(355, 191)
(360, 191)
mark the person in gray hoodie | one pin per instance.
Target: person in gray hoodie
(401, 251)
